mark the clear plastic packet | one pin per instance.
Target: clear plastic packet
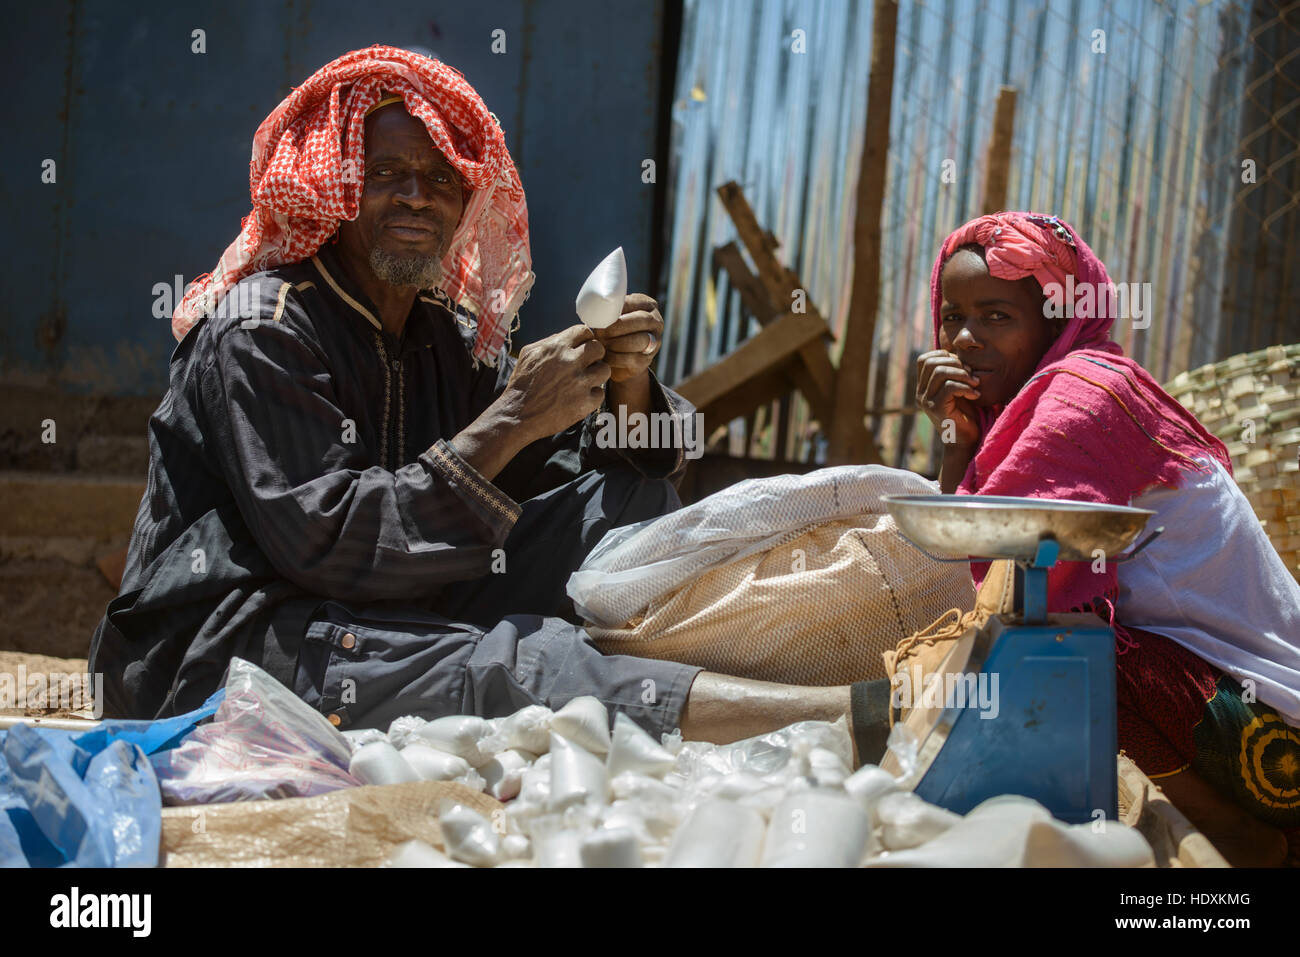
(1015, 831)
(430, 764)
(611, 847)
(868, 784)
(903, 820)
(503, 775)
(776, 757)
(904, 745)
(263, 742)
(557, 838)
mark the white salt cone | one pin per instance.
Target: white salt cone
(468, 835)
(434, 765)
(457, 734)
(419, 854)
(634, 750)
(817, 828)
(585, 722)
(718, 834)
(577, 776)
(380, 763)
(600, 300)
(503, 776)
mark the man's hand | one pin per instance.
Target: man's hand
(557, 381)
(632, 342)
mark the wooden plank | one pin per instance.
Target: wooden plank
(752, 293)
(779, 281)
(849, 440)
(816, 380)
(759, 304)
(774, 346)
(747, 396)
(752, 424)
(784, 413)
(998, 165)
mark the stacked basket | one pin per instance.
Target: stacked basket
(1252, 403)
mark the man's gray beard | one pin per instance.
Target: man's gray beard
(420, 272)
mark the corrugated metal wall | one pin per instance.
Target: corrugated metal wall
(151, 144)
(1140, 146)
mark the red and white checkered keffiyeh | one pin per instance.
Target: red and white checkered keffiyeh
(306, 175)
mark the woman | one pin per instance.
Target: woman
(1033, 399)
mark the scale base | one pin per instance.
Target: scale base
(1043, 724)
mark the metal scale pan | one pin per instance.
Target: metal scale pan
(975, 527)
(1051, 734)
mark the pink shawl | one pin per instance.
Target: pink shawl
(1090, 424)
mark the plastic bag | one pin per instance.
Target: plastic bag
(99, 810)
(86, 798)
(775, 758)
(263, 742)
(1015, 831)
(635, 564)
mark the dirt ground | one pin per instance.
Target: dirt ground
(50, 607)
(48, 610)
(71, 695)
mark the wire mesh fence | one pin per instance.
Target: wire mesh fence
(1167, 133)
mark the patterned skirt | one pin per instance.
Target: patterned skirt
(1176, 712)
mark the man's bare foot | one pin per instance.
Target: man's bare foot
(722, 709)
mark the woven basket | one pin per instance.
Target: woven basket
(1256, 396)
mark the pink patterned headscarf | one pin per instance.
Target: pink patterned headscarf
(305, 177)
(1017, 245)
(1089, 424)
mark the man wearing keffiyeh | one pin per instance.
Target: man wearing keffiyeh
(354, 485)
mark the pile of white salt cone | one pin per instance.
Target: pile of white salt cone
(577, 795)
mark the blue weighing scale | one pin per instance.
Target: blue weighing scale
(1036, 715)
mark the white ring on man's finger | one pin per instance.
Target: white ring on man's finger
(654, 344)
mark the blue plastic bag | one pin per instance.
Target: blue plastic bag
(86, 798)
